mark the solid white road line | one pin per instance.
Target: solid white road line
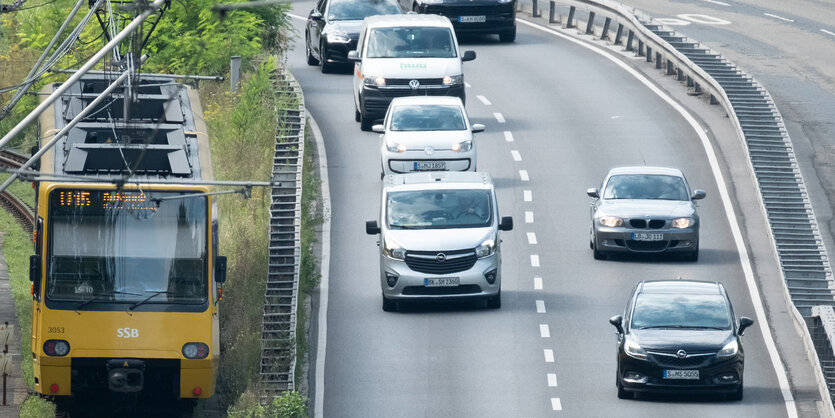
(555, 404)
(532, 238)
(718, 2)
(549, 355)
(552, 380)
(499, 117)
(528, 217)
(516, 155)
(537, 283)
(523, 174)
(527, 195)
(297, 17)
(730, 212)
(467, 85)
(508, 136)
(828, 32)
(540, 306)
(785, 19)
(534, 260)
(544, 331)
(484, 100)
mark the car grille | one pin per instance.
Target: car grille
(427, 261)
(404, 82)
(455, 11)
(646, 245)
(642, 223)
(432, 291)
(671, 360)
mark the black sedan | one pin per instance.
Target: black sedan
(679, 336)
(333, 27)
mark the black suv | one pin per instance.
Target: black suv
(472, 16)
(679, 336)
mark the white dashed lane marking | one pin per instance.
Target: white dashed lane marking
(544, 331)
(523, 174)
(499, 117)
(484, 100)
(467, 85)
(516, 155)
(718, 2)
(528, 217)
(828, 32)
(508, 136)
(540, 306)
(785, 19)
(537, 283)
(555, 404)
(552, 380)
(532, 238)
(528, 195)
(534, 260)
(549, 355)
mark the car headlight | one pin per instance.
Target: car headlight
(371, 80)
(486, 248)
(634, 350)
(505, 1)
(610, 221)
(454, 80)
(433, 1)
(729, 350)
(392, 250)
(395, 147)
(682, 223)
(337, 36)
(463, 146)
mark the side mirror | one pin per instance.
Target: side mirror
(35, 275)
(468, 56)
(371, 228)
(698, 194)
(315, 15)
(593, 192)
(477, 127)
(378, 128)
(506, 224)
(353, 56)
(744, 322)
(220, 269)
(617, 321)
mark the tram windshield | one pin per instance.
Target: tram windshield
(130, 246)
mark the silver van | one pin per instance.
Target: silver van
(439, 238)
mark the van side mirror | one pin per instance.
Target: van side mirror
(593, 192)
(220, 269)
(371, 228)
(468, 56)
(353, 56)
(744, 322)
(35, 275)
(617, 321)
(506, 224)
(698, 194)
(477, 127)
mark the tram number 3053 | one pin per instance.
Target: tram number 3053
(127, 332)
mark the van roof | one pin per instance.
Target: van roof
(379, 21)
(439, 179)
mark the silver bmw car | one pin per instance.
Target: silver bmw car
(644, 210)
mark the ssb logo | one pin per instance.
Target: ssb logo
(127, 332)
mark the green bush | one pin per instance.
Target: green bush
(288, 405)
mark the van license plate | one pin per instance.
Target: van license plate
(441, 282)
(647, 236)
(472, 19)
(429, 165)
(681, 374)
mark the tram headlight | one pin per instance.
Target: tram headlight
(195, 350)
(56, 348)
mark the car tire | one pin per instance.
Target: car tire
(508, 36)
(311, 60)
(623, 393)
(693, 256)
(365, 123)
(495, 302)
(598, 255)
(357, 114)
(389, 305)
(736, 396)
(323, 54)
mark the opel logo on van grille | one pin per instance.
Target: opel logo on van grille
(681, 354)
(441, 257)
(414, 84)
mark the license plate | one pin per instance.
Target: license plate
(472, 19)
(429, 165)
(647, 236)
(441, 282)
(681, 374)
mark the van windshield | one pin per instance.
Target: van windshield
(411, 42)
(427, 209)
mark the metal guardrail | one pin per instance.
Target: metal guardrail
(278, 336)
(822, 327)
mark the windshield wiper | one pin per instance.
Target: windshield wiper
(680, 327)
(102, 295)
(153, 295)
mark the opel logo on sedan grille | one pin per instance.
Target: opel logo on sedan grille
(681, 354)
(414, 84)
(441, 257)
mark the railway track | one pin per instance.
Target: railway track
(22, 212)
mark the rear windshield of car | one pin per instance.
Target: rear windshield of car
(427, 118)
(645, 186)
(410, 42)
(427, 209)
(360, 9)
(667, 310)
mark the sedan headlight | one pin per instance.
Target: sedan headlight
(729, 350)
(505, 1)
(371, 80)
(454, 80)
(463, 146)
(610, 221)
(395, 147)
(682, 223)
(392, 250)
(634, 350)
(338, 37)
(486, 248)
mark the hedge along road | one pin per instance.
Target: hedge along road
(558, 117)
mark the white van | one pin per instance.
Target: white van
(404, 55)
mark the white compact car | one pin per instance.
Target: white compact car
(427, 134)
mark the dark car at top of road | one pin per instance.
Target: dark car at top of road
(679, 336)
(472, 16)
(644, 210)
(333, 27)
